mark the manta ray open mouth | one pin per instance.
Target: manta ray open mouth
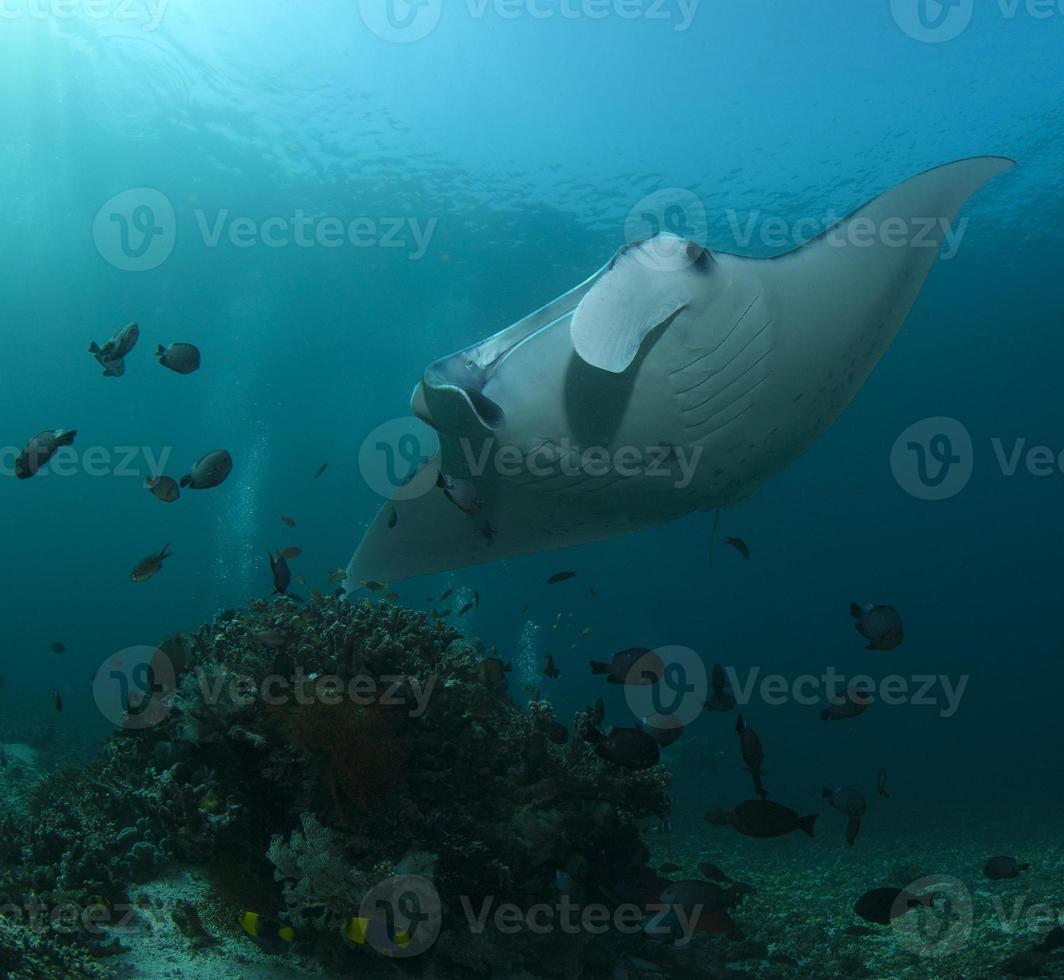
(736, 364)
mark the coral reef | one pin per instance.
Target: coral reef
(327, 748)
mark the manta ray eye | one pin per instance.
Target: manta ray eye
(697, 255)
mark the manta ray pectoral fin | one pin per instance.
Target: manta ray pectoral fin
(645, 285)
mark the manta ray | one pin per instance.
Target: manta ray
(675, 379)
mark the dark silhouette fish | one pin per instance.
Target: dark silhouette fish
(163, 488)
(40, 450)
(631, 748)
(855, 702)
(721, 699)
(550, 669)
(150, 566)
(1003, 868)
(560, 577)
(282, 574)
(881, 784)
(763, 819)
(851, 803)
(880, 625)
(881, 905)
(321, 470)
(753, 754)
(179, 358)
(209, 471)
(111, 357)
(636, 667)
(739, 545)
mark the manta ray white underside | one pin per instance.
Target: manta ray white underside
(675, 379)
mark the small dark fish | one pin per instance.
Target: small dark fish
(476, 599)
(1003, 868)
(557, 733)
(465, 609)
(880, 625)
(289, 522)
(881, 784)
(391, 596)
(374, 586)
(393, 519)
(111, 357)
(666, 732)
(337, 575)
(488, 532)
(631, 748)
(668, 868)
(493, 671)
(881, 905)
(40, 449)
(58, 647)
(636, 667)
(180, 358)
(321, 470)
(461, 493)
(594, 594)
(713, 873)
(763, 819)
(57, 701)
(290, 553)
(749, 745)
(163, 488)
(739, 545)
(597, 712)
(855, 702)
(851, 803)
(282, 574)
(147, 567)
(209, 471)
(550, 670)
(560, 577)
(665, 827)
(721, 699)
(1053, 940)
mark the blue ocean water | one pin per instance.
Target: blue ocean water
(492, 164)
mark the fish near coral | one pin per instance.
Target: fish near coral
(150, 566)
